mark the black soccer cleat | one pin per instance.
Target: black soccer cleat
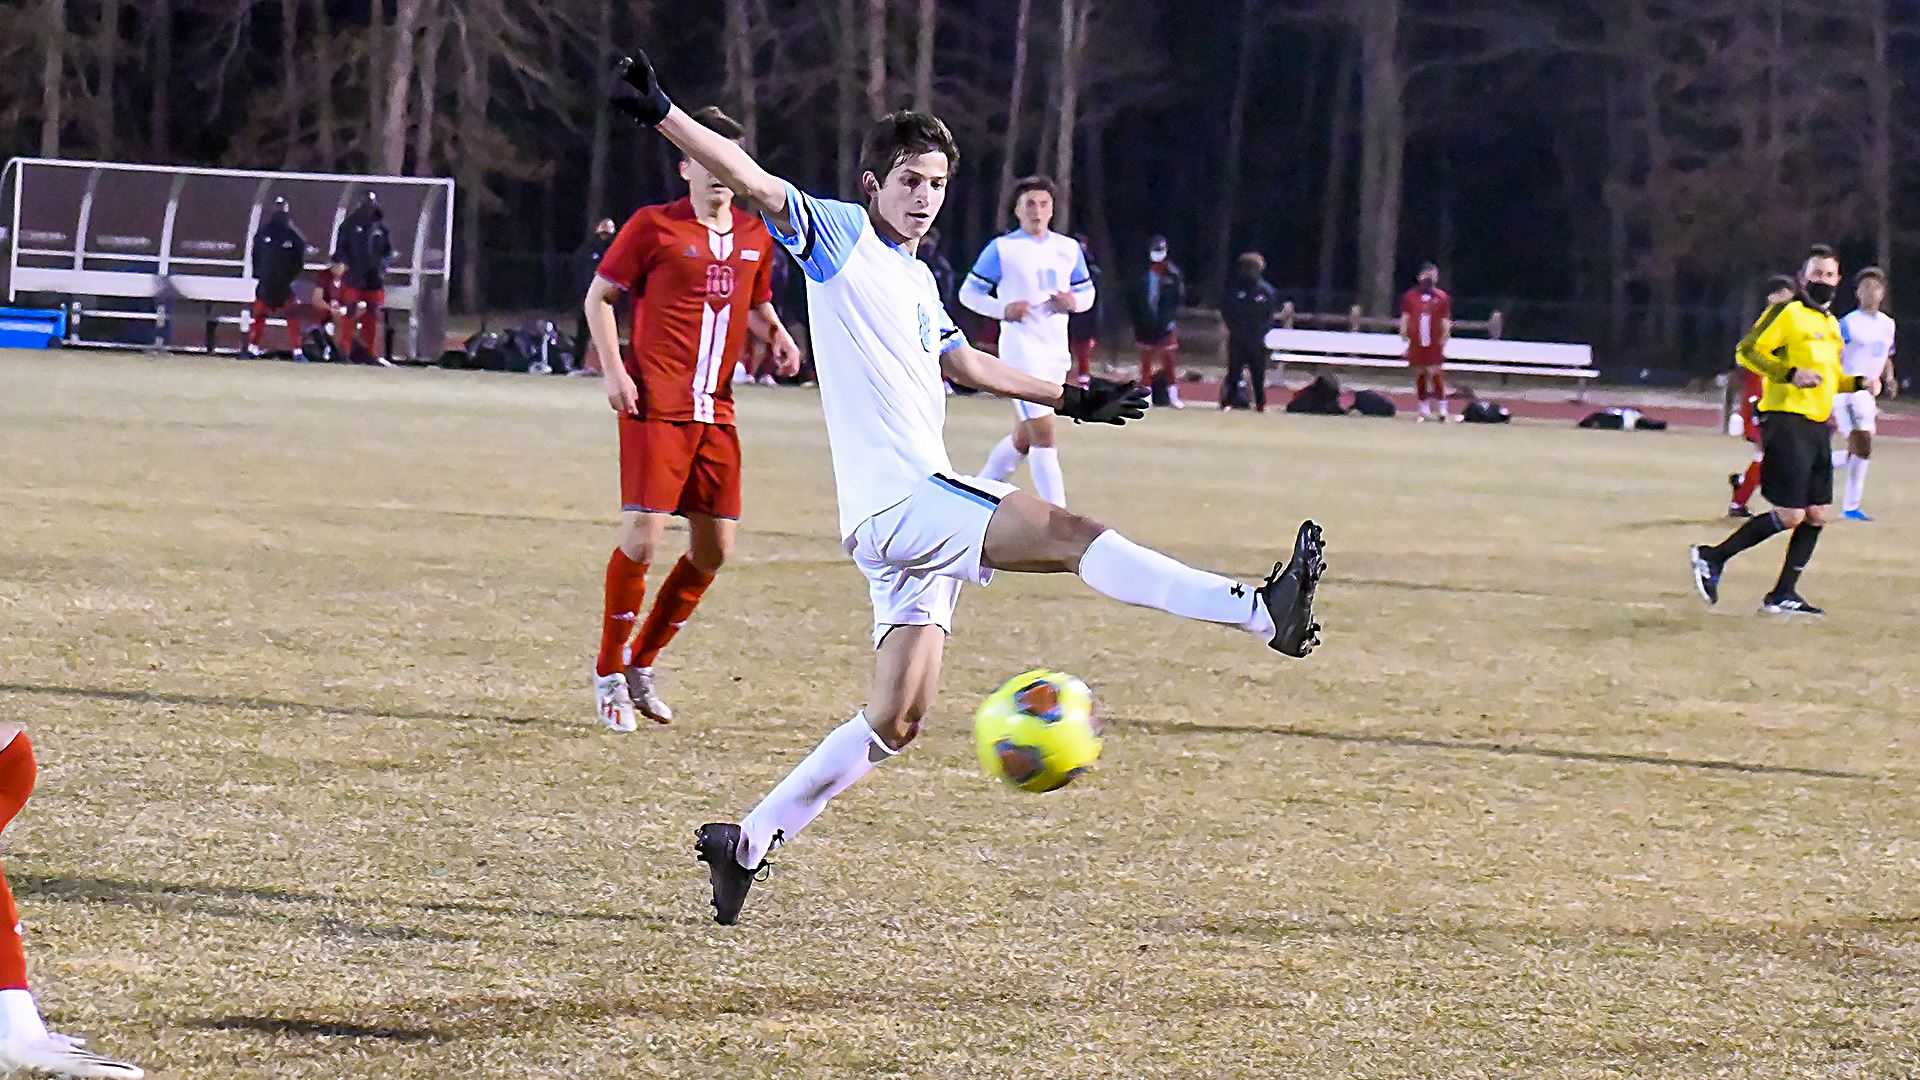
(1706, 574)
(1790, 604)
(716, 844)
(1288, 594)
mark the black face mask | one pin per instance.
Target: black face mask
(1820, 292)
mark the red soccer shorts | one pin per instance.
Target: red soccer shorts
(679, 468)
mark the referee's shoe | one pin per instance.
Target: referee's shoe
(1789, 603)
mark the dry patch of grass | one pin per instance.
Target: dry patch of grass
(304, 654)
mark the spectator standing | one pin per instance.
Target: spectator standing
(364, 245)
(279, 257)
(585, 262)
(1083, 327)
(1157, 299)
(1247, 309)
(1426, 322)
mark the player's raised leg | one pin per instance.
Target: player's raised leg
(1029, 536)
(25, 1042)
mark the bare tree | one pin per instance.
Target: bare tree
(393, 145)
(1225, 213)
(1074, 18)
(1383, 145)
(1333, 198)
(428, 81)
(876, 57)
(923, 57)
(846, 53)
(602, 128)
(1016, 104)
(159, 84)
(53, 77)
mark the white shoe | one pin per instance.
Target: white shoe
(614, 704)
(646, 697)
(768, 380)
(741, 374)
(63, 1055)
(1173, 397)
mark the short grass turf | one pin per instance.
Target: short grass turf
(304, 654)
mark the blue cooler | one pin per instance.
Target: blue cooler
(31, 328)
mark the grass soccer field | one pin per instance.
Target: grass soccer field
(304, 655)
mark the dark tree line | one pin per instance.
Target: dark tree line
(1623, 169)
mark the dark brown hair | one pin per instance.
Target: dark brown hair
(1251, 264)
(714, 119)
(1873, 272)
(1822, 251)
(898, 136)
(1033, 183)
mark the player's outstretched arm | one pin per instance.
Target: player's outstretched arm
(641, 97)
(1101, 401)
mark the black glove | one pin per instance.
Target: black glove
(1103, 401)
(638, 92)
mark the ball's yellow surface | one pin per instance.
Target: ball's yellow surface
(1037, 732)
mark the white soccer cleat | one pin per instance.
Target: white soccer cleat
(614, 703)
(646, 696)
(63, 1055)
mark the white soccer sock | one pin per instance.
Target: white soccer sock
(845, 755)
(1856, 481)
(1131, 574)
(1002, 460)
(1048, 481)
(1840, 458)
(20, 1017)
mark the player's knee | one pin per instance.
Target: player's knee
(898, 726)
(636, 545)
(1818, 516)
(1789, 517)
(1862, 445)
(708, 558)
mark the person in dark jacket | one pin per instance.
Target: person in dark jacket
(1247, 309)
(586, 261)
(1157, 297)
(279, 257)
(1083, 327)
(364, 244)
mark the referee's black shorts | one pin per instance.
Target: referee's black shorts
(1796, 467)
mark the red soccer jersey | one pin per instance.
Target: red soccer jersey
(1426, 314)
(692, 288)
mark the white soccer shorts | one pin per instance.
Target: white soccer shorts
(918, 552)
(1050, 370)
(1854, 411)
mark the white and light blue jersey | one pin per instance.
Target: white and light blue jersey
(1021, 266)
(879, 330)
(1868, 342)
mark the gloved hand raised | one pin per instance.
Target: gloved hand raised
(1103, 401)
(638, 92)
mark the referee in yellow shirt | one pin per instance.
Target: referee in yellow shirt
(1795, 347)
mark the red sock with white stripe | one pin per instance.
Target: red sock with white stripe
(626, 588)
(674, 605)
(19, 1017)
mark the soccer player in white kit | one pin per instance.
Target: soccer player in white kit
(1868, 333)
(882, 342)
(1032, 280)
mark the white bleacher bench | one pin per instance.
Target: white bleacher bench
(1340, 348)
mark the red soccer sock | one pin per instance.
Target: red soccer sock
(16, 783)
(257, 325)
(626, 588)
(671, 610)
(1749, 483)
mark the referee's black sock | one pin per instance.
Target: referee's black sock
(1799, 553)
(1755, 530)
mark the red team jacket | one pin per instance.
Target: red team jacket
(1425, 312)
(692, 288)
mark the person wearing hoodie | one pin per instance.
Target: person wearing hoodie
(279, 257)
(365, 246)
(1157, 298)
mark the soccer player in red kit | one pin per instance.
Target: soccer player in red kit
(700, 273)
(1748, 385)
(1426, 321)
(25, 1042)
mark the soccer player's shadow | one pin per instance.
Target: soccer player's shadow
(235, 703)
(1411, 742)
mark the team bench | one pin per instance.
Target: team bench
(1346, 348)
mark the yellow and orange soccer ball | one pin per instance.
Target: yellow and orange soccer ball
(1037, 732)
